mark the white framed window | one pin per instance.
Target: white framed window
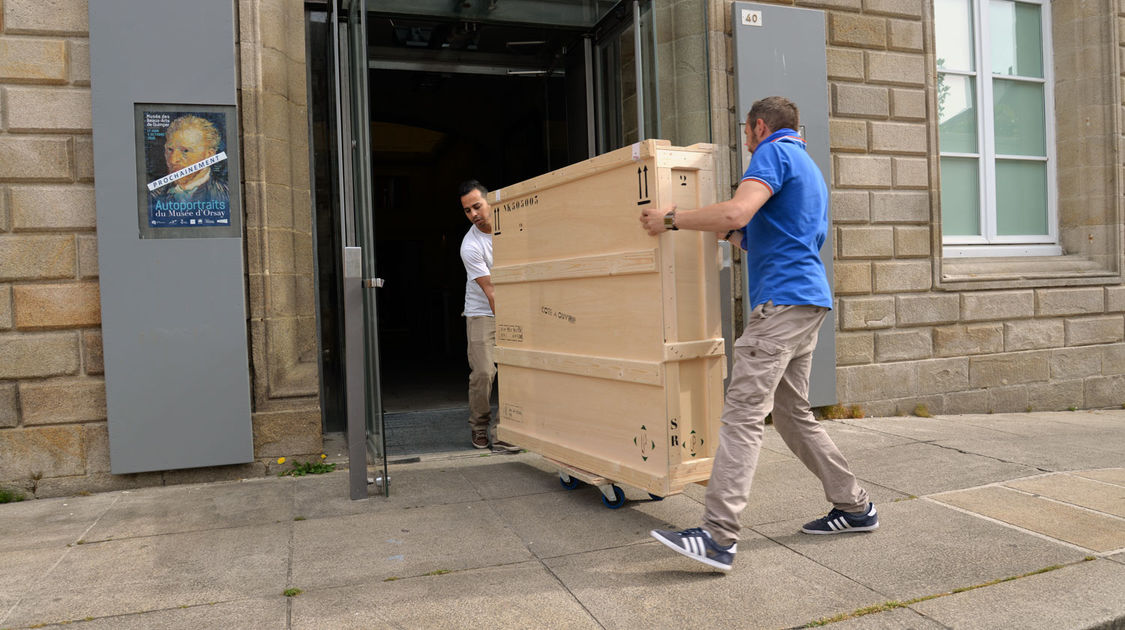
(996, 128)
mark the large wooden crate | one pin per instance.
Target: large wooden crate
(609, 341)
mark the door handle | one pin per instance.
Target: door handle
(373, 283)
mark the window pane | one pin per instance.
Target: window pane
(953, 34)
(960, 197)
(1021, 198)
(1016, 34)
(957, 114)
(1019, 117)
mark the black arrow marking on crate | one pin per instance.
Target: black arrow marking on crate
(642, 185)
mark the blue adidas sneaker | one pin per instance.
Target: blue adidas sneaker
(696, 544)
(838, 522)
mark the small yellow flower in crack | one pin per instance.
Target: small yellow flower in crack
(281, 460)
(323, 456)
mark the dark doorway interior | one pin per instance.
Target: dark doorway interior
(449, 100)
(429, 132)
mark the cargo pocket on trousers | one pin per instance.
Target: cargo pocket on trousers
(758, 366)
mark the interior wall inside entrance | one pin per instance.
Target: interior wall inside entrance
(429, 132)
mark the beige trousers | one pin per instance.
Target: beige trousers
(772, 360)
(481, 332)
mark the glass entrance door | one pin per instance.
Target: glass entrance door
(361, 344)
(625, 76)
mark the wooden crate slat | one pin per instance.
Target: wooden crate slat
(645, 372)
(686, 350)
(615, 264)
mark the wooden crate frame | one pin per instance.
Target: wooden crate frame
(609, 341)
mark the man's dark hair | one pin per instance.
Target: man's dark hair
(469, 186)
(777, 112)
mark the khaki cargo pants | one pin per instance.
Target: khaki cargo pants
(481, 332)
(772, 360)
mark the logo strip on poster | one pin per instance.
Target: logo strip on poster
(188, 170)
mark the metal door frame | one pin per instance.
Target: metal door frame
(365, 429)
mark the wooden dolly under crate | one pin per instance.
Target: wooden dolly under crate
(609, 341)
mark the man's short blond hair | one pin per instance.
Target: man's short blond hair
(206, 127)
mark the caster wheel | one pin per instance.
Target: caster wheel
(570, 483)
(617, 502)
(654, 497)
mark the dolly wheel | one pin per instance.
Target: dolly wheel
(617, 502)
(654, 497)
(569, 483)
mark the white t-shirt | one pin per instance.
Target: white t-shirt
(476, 253)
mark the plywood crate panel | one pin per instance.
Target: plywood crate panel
(609, 341)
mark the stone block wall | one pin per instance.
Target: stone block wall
(273, 98)
(52, 389)
(53, 432)
(913, 328)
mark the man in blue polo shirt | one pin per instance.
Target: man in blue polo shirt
(779, 215)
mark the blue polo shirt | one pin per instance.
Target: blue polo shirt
(783, 239)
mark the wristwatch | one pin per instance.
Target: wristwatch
(670, 221)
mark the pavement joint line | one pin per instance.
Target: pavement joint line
(1074, 473)
(821, 565)
(1004, 485)
(289, 573)
(1036, 534)
(132, 614)
(1082, 508)
(66, 551)
(896, 604)
(573, 596)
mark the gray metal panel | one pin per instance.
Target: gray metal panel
(173, 310)
(355, 374)
(780, 51)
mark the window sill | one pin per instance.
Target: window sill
(1021, 272)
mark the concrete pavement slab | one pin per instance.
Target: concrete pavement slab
(920, 469)
(523, 595)
(849, 437)
(1115, 476)
(398, 543)
(1090, 530)
(925, 429)
(51, 523)
(1075, 490)
(159, 572)
(922, 548)
(248, 614)
(513, 476)
(1109, 440)
(649, 586)
(896, 619)
(1118, 557)
(327, 495)
(20, 572)
(1103, 418)
(1041, 453)
(1083, 595)
(558, 524)
(195, 507)
(784, 491)
(1026, 424)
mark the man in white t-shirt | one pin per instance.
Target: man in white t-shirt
(480, 321)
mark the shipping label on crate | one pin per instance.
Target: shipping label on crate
(512, 333)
